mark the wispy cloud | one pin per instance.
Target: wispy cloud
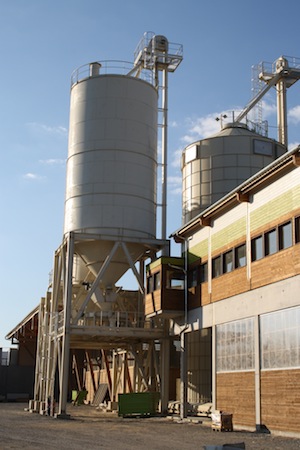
(293, 145)
(46, 129)
(175, 184)
(176, 158)
(200, 127)
(52, 162)
(294, 114)
(33, 176)
(269, 108)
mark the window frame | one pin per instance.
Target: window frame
(226, 264)
(214, 272)
(270, 242)
(281, 238)
(237, 258)
(254, 252)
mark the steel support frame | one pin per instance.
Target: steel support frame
(55, 328)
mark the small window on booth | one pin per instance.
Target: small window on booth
(175, 279)
(149, 284)
(157, 281)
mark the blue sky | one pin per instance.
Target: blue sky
(42, 42)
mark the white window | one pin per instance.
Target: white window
(280, 339)
(235, 346)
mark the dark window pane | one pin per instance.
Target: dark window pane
(257, 248)
(149, 284)
(193, 277)
(285, 235)
(270, 242)
(217, 266)
(240, 256)
(203, 273)
(228, 262)
(297, 229)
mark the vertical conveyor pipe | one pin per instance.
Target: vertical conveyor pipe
(164, 150)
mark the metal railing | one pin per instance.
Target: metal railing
(114, 319)
(113, 67)
(108, 319)
(174, 49)
(268, 67)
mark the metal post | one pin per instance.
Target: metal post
(165, 372)
(214, 367)
(183, 377)
(257, 374)
(282, 112)
(64, 371)
(183, 353)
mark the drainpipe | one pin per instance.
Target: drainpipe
(183, 355)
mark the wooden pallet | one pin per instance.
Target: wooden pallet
(225, 424)
(216, 427)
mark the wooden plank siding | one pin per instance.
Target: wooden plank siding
(205, 295)
(276, 267)
(153, 302)
(230, 284)
(280, 399)
(236, 395)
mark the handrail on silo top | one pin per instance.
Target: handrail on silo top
(112, 67)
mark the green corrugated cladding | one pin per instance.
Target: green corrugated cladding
(229, 234)
(270, 211)
(283, 204)
(165, 260)
(197, 251)
(138, 404)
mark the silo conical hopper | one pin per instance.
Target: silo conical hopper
(111, 169)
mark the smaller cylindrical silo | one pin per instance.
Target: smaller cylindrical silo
(212, 167)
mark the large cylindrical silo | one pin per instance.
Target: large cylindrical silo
(111, 168)
(212, 167)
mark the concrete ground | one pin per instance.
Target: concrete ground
(90, 429)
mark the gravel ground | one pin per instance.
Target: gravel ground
(89, 429)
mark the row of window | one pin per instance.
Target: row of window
(268, 243)
(274, 240)
(278, 238)
(279, 342)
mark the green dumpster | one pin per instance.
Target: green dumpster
(138, 404)
(78, 397)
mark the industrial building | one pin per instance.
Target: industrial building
(218, 326)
